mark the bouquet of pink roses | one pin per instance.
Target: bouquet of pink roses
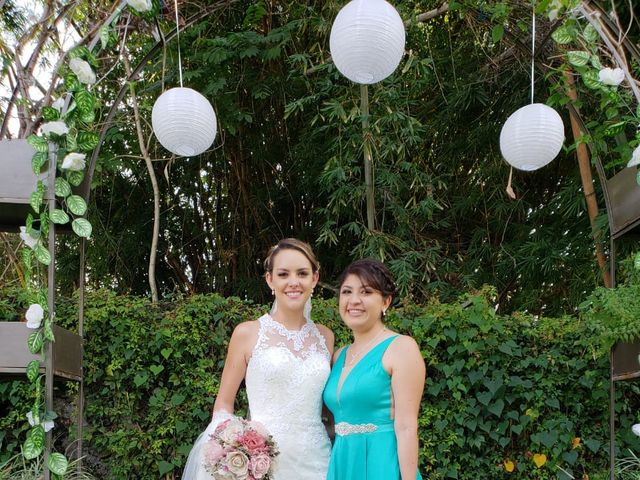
(239, 450)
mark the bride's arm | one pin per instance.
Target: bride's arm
(241, 344)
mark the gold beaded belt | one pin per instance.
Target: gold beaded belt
(344, 428)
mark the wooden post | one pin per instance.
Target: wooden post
(368, 160)
(587, 180)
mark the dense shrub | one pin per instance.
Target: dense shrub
(499, 388)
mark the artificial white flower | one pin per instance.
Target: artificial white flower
(140, 5)
(82, 70)
(32, 422)
(30, 240)
(58, 104)
(74, 161)
(611, 76)
(46, 425)
(635, 160)
(554, 10)
(34, 316)
(58, 127)
(636, 429)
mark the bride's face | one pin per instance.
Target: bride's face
(292, 279)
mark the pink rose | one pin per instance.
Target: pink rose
(253, 442)
(259, 465)
(213, 452)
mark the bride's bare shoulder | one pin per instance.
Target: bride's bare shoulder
(246, 331)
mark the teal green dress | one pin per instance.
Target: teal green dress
(365, 446)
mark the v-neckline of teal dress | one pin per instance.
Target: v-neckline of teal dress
(343, 358)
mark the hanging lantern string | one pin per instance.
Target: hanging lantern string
(533, 49)
(175, 2)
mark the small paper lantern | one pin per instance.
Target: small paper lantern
(184, 121)
(367, 40)
(531, 137)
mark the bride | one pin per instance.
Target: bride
(284, 359)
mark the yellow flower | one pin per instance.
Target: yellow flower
(575, 442)
(539, 459)
(509, 466)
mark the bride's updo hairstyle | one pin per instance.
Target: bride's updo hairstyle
(291, 244)
(373, 274)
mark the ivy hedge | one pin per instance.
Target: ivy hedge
(506, 396)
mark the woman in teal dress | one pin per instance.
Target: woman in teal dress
(375, 386)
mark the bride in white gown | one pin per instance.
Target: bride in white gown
(284, 359)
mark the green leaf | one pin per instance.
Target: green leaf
(165, 467)
(58, 463)
(75, 177)
(87, 141)
(497, 33)
(38, 161)
(48, 331)
(79, 52)
(591, 80)
(166, 352)
(42, 254)
(578, 58)
(570, 457)
(39, 143)
(593, 445)
(84, 101)
(563, 35)
(636, 261)
(140, 378)
(36, 200)
(50, 114)
(88, 117)
(156, 369)
(177, 399)
(59, 216)
(71, 82)
(76, 204)
(82, 227)
(497, 407)
(33, 369)
(104, 36)
(590, 34)
(37, 436)
(35, 342)
(29, 450)
(62, 187)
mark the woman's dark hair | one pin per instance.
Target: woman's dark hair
(372, 273)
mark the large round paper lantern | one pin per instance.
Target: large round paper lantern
(531, 137)
(184, 121)
(367, 40)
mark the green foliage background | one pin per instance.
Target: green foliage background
(499, 387)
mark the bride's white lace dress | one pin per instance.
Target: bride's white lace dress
(284, 380)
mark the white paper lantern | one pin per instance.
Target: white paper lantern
(367, 40)
(531, 137)
(184, 121)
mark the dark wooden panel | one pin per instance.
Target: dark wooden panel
(626, 364)
(14, 354)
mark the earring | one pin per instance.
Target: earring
(384, 313)
(273, 292)
(311, 293)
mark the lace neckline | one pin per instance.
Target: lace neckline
(296, 336)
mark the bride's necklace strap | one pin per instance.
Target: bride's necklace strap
(356, 354)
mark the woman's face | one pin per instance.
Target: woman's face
(361, 306)
(292, 279)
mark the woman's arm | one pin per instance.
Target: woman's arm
(407, 383)
(241, 344)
